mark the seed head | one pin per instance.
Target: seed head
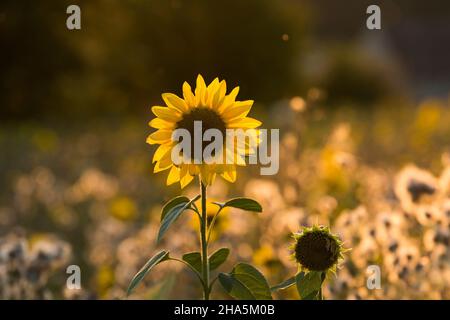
(316, 249)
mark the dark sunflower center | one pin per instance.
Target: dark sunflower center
(209, 120)
(418, 189)
(317, 250)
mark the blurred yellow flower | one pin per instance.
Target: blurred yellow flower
(428, 116)
(105, 279)
(216, 110)
(123, 208)
(427, 119)
(264, 255)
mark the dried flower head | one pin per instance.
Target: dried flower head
(317, 249)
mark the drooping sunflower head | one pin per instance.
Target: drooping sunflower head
(317, 249)
(207, 107)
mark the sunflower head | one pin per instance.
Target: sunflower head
(213, 108)
(317, 249)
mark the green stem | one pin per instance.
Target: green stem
(204, 243)
(211, 225)
(323, 276)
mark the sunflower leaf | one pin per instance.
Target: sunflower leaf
(218, 257)
(245, 282)
(171, 204)
(244, 204)
(235, 288)
(151, 263)
(194, 259)
(284, 285)
(312, 296)
(173, 215)
(308, 285)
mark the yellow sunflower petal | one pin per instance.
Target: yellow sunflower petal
(200, 91)
(193, 169)
(230, 175)
(219, 95)
(166, 159)
(159, 167)
(251, 142)
(174, 175)
(175, 102)
(184, 169)
(211, 91)
(237, 110)
(223, 89)
(212, 87)
(228, 100)
(212, 177)
(234, 158)
(166, 113)
(246, 150)
(188, 95)
(159, 137)
(244, 123)
(233, 94)
(161, 151)
(186, 180)
(165, 162)
(185, 177)
(240, 160)
(220, 168)
(159, 123)
(207, 174)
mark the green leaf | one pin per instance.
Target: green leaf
(194, 259)
(235, 288)
(218, 257)
(312, 296)
(215, 260)
(308, 285)
(173, 203)
(284, 285)
(172, 215)
(246, 283)
(244, 204)
(151, 263)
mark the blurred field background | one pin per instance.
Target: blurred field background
(364, 119)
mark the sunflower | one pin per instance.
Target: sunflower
(317, 249)
(216, 109)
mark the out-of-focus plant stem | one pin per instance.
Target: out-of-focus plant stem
(204, 243)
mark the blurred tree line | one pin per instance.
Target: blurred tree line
(128, 52)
